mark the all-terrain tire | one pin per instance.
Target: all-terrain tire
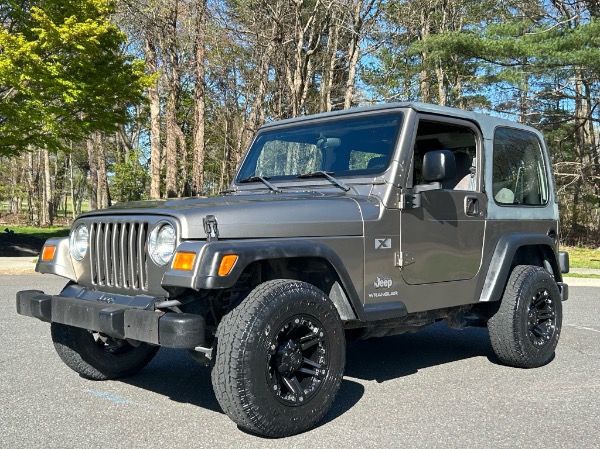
(525, 330)
(96, 357)
(280, 359)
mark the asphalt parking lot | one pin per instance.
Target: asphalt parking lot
(433, 389)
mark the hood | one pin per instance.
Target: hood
(260, 215)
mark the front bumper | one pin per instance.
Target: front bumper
(121, 317)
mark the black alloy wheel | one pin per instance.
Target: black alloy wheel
(299, 360)
(541, 318)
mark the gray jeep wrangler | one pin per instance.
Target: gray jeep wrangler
(359, 223)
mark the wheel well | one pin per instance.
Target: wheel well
(512, 251)
(313, 270)
(538, 255)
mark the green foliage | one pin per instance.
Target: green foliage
(62, 75)
(130, 179)
(581, 275)
(40, 233)
(583, 257)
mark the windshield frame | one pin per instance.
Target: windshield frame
(313, 126)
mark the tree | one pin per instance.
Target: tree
(63, 79)
(62, 75)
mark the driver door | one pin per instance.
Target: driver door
(442, 238)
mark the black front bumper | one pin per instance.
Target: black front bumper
(125, 317)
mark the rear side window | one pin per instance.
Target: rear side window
(520, 175)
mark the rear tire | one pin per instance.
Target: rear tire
(280, 359)
(525, 330)
(98, 357)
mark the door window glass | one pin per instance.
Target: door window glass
(519, 176)
(460, 140)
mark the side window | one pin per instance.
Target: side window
(519, 176)
(460, 140)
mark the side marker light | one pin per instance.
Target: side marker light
(227, 263)
(48, 253)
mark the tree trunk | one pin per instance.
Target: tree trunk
(199, 101)
(93, 173)
(47, 209)
(358, 16)
(103, 195)
(439, 71)
(171, 145)
(154, 99)
(424, 80)
(307, 37)
(173, 92)
(31, 203)
(13, 200)
(331, 53)
(256, 114)
(184, 185)
(72, 185)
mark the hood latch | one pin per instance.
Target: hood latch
(211, 227)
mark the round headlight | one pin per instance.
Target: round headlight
(79, 242)
(161, 244)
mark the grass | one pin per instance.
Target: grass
(583, 257)
(41, 233)
(578, 257)
(581, 275)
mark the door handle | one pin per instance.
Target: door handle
(471, 206)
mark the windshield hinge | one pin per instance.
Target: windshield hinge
(211, 227)
(402, 259)
(409, 200)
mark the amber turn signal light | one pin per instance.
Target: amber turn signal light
(227, 263)
(48, 253)
(184, 261)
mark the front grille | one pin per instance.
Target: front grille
(118, 255)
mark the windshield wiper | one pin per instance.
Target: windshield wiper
(327, 175)
(260, 179)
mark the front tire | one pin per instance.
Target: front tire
(280, 359)
(525, 330)
(97, 357)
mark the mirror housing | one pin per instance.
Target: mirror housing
(439, 165)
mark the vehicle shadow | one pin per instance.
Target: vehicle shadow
(383, 359)
(173, 373)
(349, 394)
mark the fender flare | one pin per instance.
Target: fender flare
(501, 263)
(209, 254)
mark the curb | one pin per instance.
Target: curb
(581, 282)
(17, 265)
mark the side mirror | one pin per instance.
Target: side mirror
(439, 166)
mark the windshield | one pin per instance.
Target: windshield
(357, 146)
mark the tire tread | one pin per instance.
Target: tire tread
(507, 340)
(74, 347)
(235, 337)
